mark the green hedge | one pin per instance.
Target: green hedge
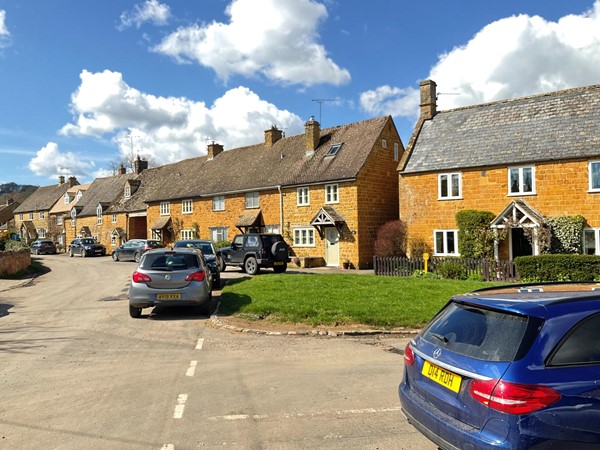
(558, 268)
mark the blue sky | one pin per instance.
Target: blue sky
(85, 83)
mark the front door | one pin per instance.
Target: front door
(332, 246)
(520, 245)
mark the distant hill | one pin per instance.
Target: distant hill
(14, 191)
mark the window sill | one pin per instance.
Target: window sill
(444, 199)
(521, 194)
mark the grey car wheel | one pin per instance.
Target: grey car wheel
(251, 266)
(137, 257)
(115, 256)
(135, 312)
(82, 253)
(71, 252)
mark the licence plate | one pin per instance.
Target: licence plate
(441, 376)
(168, 296)
(278, 263)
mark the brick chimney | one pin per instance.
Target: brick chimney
(272, 135)
(312, 134)
(139, 165)
(73, 182)
(61, 179)
(213, 150)
(428, 99)
(122, 170)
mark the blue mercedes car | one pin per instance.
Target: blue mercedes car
(513, 367)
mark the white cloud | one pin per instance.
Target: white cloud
(4, 33)
(50, 161)
(275, 38)
(168, 129)
(512, 57)
(149, 11)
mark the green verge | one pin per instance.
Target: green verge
(338, 299)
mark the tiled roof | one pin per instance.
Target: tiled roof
(555, 126)
(43, 198)
(61, 207)
(104, 191)
(258, 166)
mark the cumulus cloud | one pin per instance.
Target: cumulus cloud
(4, 33)
(512, 57)
(169, 129)
(150, 11)
(275, 38)
(50, 161)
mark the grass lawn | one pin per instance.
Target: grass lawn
(337, 299)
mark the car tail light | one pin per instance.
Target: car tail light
(196, 276)
(513, 398)
(409, 356)
(139, 277)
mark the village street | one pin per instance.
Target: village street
(77, 372)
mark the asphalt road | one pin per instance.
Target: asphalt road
(76, 372)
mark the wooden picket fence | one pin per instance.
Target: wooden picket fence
(490, 270)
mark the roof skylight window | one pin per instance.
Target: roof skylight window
(333, 150)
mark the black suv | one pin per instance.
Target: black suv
(254, 251)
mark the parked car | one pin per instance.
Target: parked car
(254, 251)
(133, 249)
(86, 247)
(515, 367)
(211, 256)
(172, 277)
(43, 247)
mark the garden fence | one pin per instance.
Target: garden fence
(490, 270)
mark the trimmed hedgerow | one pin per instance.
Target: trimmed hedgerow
(558, 268)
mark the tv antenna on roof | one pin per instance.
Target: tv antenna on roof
(320, 101)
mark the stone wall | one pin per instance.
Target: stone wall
(12, 261)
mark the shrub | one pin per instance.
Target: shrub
(566, 232)
(418, 246)
(423, 274)
(558, 268)
(452, 270)
(475, 237)
(391, 239)
(220, 244)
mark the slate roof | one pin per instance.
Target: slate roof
(555, 126)
(42, 199)
(61, 207)
(104, 191)
(258, 167)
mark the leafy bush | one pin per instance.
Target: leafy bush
(391, 239)
(220, 244)
(475, 237)
(566, 232)
(423, 274)
(417, 247)
(558, 268)
(452, 270)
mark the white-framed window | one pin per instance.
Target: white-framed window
(219, 203)
(445, 242)
(99, 214)
(272, 229)
(333, 150)
(67, 198)
(155, 235)
(302, 196)
(113, 239)
(21, 217)
(30, 216)
(304, 237)
(594, 176)
(591, 241)
(59, 219)
(165, 208)
(79, 195)
(384, 143)
(218, 234)
(187, 234)
(41, 232)
(396, 151)
(331, 193)
(127, 193)
(42, 215)
(449, 186)
(114, 218)
(521, 180)
(251, 200)
(187, 207)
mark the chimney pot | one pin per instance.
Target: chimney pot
(122, 170)
(272, 135)
(428, 99)
(61, 179)
(73, 182)
(139, 165)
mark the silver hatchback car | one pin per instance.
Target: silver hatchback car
(170, 277)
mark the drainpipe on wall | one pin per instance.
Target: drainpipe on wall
(280, 209)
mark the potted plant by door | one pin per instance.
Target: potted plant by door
(346, 264)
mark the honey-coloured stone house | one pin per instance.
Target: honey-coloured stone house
(327, 191)
(523, 159)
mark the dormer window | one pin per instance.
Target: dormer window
(333, 150)
(79, 195)
(99, 214)
(127, 192)
(67, 198)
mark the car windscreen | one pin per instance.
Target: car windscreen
(88, 241)
(476, 332)
(169, 261)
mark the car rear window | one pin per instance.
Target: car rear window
(580, 346)
(476, 332)
(154, 244)
(170, 261)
